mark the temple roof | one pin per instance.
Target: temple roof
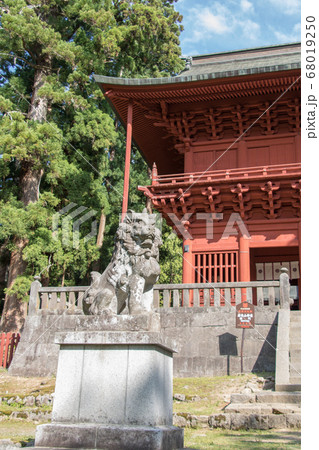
(209, 82)
(222, 65)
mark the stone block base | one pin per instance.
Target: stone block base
(111, 437)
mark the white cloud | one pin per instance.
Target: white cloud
(287, 6)
(250, 29)
(246, 6)
(289, 37)
(219, 20)
(196, 36)
(215, 23)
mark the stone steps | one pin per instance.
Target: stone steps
(263, 408)
(288, 387)
(239, 421)
(267, 397)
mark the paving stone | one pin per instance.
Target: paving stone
(285, 408)
(248, 408)
(193, 421)
(258, 422)
(276, 421)
(202, 421)
(278, 397)
(239, 421)
(243, 398)
(246, 391)
(179, 397)
(253, 387)
(179, 421)
(219, 421)
(293, 420)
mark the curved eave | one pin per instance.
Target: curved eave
(181, 79)
(147, 94)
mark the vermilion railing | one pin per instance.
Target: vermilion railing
(229, 174)
(8, 345)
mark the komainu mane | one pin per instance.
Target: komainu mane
(126, 285)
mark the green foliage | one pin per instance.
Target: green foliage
(56, 125)
(171, 257)
(20, 288)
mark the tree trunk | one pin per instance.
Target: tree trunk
(30, 180)
(14, 311)
(100, 236)
(99, 241)
(4, 267)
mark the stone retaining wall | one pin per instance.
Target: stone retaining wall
(209, 344)
(206, 340)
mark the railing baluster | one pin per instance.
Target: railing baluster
(166, 298)
(206, 297)
(227, 297)
(216, 297)
(2, 344)
(186, 298)
(44, 301)
(53, 304)
(238, 295)
(260, 296)
(6, 349)
(271, 291)
(172, 295)
(249, 294)
(175, 298)
(71, 301)
(156, 298)
(62, 304)
(80, 300)
(196, 297)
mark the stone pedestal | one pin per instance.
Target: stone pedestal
(113, 391)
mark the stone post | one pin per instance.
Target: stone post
(285, 300)
(35, 286)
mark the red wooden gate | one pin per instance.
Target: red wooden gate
(215, 267)
(8, 345)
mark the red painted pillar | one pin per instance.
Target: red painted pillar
(299, 281)
(244, 260)
(127, 158)
(188, 268)
(244, 264)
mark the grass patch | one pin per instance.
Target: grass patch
(214, 392)
(22, 386)
(22, 431)
(8, 409)
(253, 439)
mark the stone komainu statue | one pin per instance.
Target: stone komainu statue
(126, 285)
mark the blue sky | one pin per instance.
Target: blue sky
(217, 26)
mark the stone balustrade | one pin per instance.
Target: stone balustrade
(262, 293)
(212, 295)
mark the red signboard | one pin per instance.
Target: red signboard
(245, 315)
